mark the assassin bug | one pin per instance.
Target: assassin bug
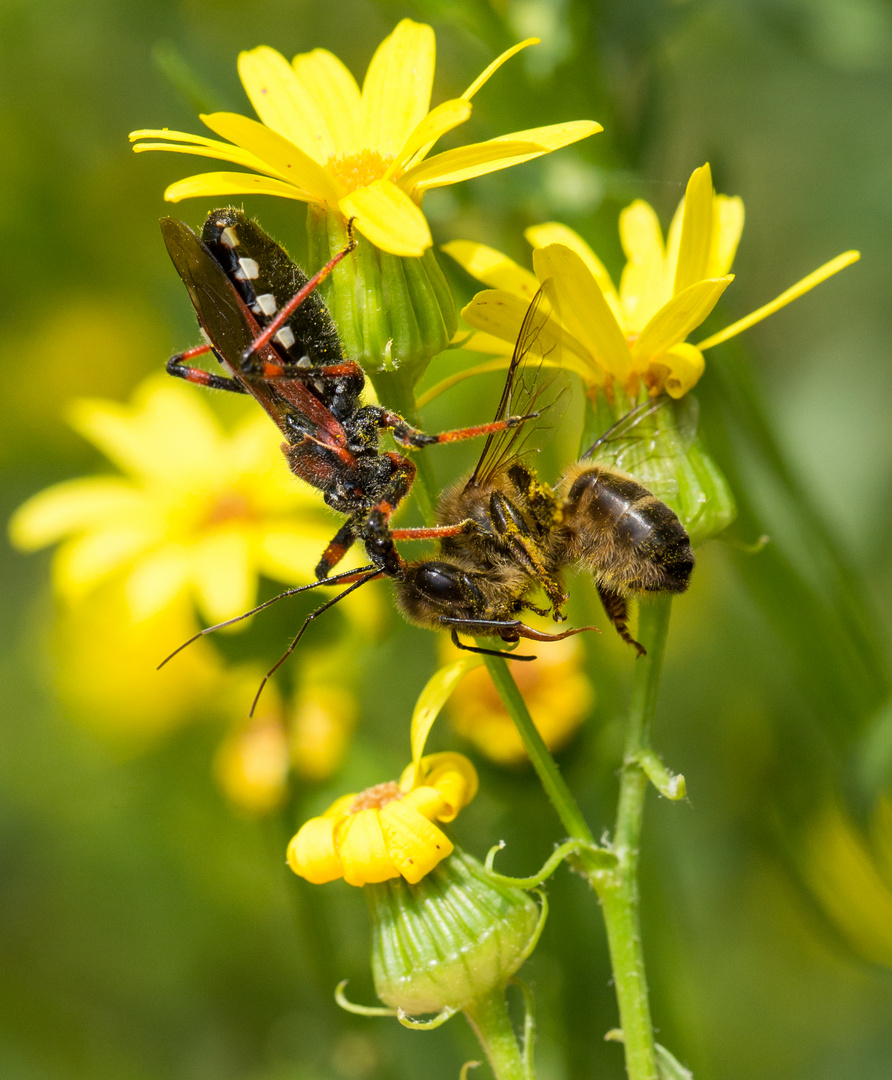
(266, 325)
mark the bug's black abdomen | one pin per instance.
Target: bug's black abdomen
(630, 540)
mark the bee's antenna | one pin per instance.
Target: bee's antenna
(373, 572)
(267, 603)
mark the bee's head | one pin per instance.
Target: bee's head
(433, 588)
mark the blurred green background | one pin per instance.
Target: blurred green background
(147, 929)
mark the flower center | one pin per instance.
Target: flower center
(374, 798)
(228, 506)
(358, 170)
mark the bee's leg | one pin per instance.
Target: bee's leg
(177, 366)
(617, 611)
(514, 531)
(507, 630)
(486, 652)
(527, 606)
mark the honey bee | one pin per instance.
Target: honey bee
(526, 533)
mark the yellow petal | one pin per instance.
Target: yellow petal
(283, 103)
(199, 146)
(363, 851)
(478, 159)
(224, 573)
(337, 97)
(685, 363)
(489, 71)
(727, 225)
(584, 311)
(81, 564)
(415, 846)
(437, 123)
(284, 157)
(677, 318)
(493, 268)
(786, 297)
(485, 343)
(75, 506)
(396, 92)
(312, 854)
(211, 185)
(157, 580)
(387, 216)
(553, 232)
(431, 700)
(695, 245)
(454, 777)
(286, 553)
(643, 288)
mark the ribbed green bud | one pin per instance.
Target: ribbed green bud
(664, 453)
(392, 313)
(450, 940)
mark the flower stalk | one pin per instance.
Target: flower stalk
(489, 1018)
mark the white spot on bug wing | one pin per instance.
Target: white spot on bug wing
(248, 269)
(285, 337)
(229, 237)
(304, 362)
(206, 336)
(266, 302)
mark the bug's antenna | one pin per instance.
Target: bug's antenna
(373, 572)
(267, 603)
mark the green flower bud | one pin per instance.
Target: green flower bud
(392, 313)
(450, 940)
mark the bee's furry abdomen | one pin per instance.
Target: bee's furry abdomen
(629, 540)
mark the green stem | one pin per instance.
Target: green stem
(394, 389)
(619, 889)
(555, 786)
(489, 1018)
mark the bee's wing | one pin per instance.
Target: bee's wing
(526, 390)
(220, 310)
(649, 441)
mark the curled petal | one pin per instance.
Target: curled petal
(489, 71)
(178, 142)
(283, 101)
(414, 845)
(553, 232)
(396, 93)
(454, 777)
(389, 218)
(437, 123)
(312, 854)
(685, 363)
(362, 848)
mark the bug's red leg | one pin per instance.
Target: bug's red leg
(294, 303)
(338, 547)
(177, 366)
(407, 435)
(436, 532)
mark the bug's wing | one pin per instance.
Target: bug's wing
(220, 310)
(526, 389)
(649, 442)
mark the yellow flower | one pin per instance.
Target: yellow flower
(635, 333)
(199, 513)
(363, 153)
(387, 831)
(556, 689)
(251, 764)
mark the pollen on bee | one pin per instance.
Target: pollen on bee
(285, 337)
(267, 303)
(248, 269)
(229, 237)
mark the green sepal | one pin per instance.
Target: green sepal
(451, 939)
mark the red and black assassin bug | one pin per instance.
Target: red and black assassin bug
(266, 325)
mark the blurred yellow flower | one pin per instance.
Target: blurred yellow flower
(850, 875)
(199, 513)
(386, 831)
(634, 334)
(362, 153)
(556, 689)
(322, 721)
(251, 764)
